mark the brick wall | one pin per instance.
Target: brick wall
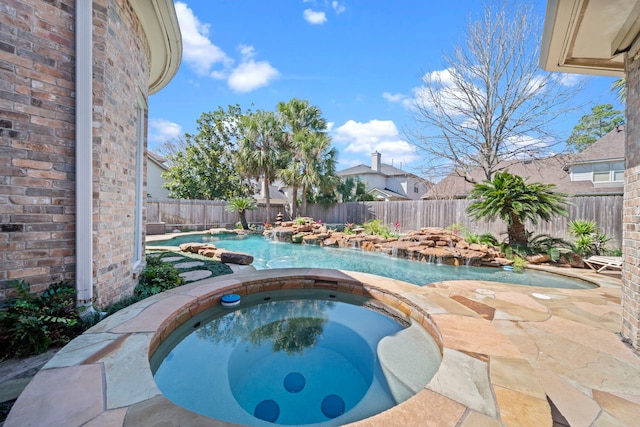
(631, 210)
(37, 143)
(37, 169)
(120, 70)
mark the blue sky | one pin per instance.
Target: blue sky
(357, 60)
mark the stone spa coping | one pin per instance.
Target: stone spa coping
(104, 377)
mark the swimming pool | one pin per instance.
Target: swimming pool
(296, 358)
(269, 254)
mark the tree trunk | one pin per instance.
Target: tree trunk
(294, 203)
(267, 199)
(516, 231)
(304, 200)
(243, 220)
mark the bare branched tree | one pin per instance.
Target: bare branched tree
(491, 102)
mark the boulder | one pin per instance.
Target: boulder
(538, 258)
(209, 253)
(310, 239)
(366, 245)
(573, 259)
(196, 247)
(462, 244)
(236, 258)
(502, 261)
(330, 242)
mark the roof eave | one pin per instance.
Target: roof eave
(160, 24)
(560, 27)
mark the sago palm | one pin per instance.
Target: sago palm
(513, 200)
(242, 205)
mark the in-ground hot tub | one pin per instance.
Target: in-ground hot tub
(296, 357)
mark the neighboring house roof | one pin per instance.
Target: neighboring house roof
(386, 170)
(276, 196)
(550, 170)
(608, 148)
(157, 159)
(386, 194)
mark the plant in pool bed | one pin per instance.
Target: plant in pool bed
(588, 240)
(157, 277)
(512, 199)
(31, 323)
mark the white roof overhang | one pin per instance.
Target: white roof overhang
(590, 36)
(160, 23)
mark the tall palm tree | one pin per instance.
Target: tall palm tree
(318, 160)
(511, 199)
(259, 149)
(619, 88)
(301, 121)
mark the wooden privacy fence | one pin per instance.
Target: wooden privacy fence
(411, 215)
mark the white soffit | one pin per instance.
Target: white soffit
(160, 24)
(589, 36)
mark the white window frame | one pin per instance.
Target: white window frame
(587, 172)
(138, 242)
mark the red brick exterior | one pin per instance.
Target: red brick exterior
(120, 74)
(37, 142)
(37, 206)
(631, 212)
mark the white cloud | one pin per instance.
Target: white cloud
(161, 130)
(247, 51)
(198, 51)
(202, 56)
(398, 97)
(375, 135)
(337, 7)
(251, 75)
(569, 80)
(313, 17)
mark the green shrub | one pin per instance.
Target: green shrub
(587, 239)
(519, 264)
(157, 277)
(32, 323)
(457, 228)
(484, 239)
(377, 228)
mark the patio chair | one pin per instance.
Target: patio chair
(601, 263)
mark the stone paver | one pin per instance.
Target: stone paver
(195, 275)
(506, 350)
(189, 264)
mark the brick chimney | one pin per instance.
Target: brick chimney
(375, 161)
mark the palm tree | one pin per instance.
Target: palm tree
(619, 88)
(514, 201)
(242, 205)
(319, 165)
(259, 151)
(300, 121)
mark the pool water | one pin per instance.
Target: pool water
(269, 254)
(294, 361)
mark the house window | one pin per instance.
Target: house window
(415, 189)
(599, 172)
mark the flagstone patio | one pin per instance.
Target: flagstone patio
(508, 351)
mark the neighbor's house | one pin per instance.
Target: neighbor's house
(386, 182)
(598, 170)
(155, 181)
(603, 38)
(75, 78)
